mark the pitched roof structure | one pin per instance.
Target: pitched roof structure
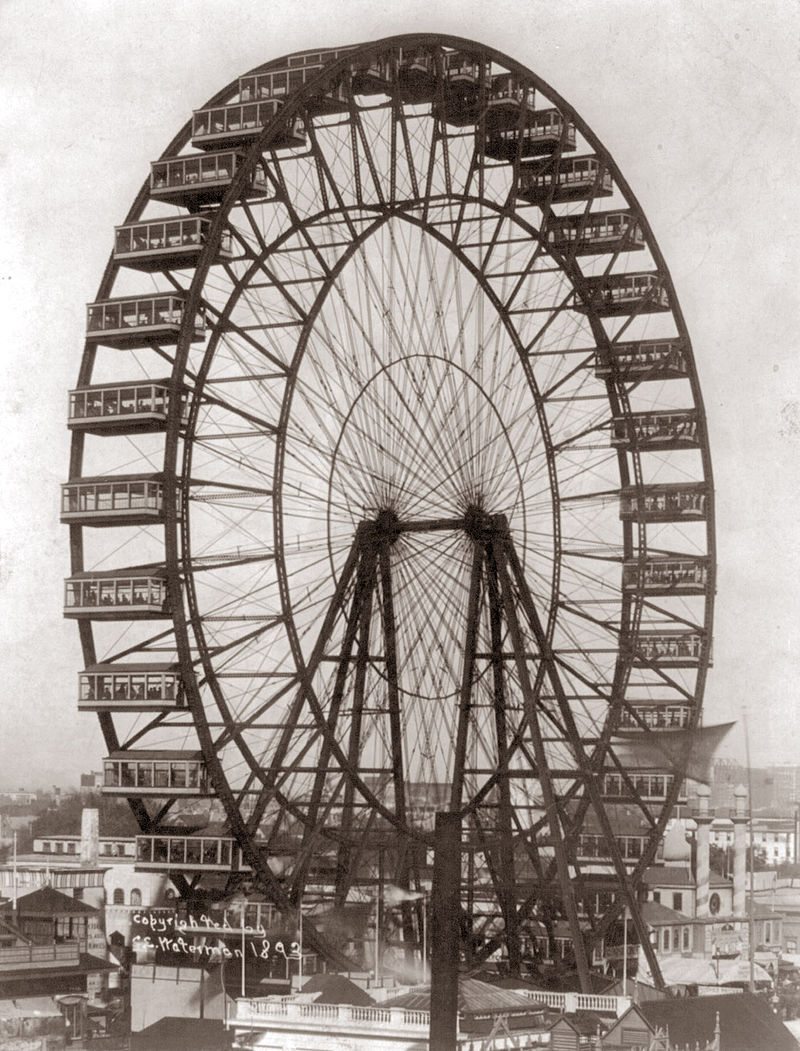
(658, 915)
(669, 876)
(746, 1022)
(336, 989)
(46, 901)
(474, 997)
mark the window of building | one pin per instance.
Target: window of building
(119, 896)
(136, 896)
(665, 940)
(77, 893)
(677, 901)
(686, 939)
(657, 895)
(767, 932)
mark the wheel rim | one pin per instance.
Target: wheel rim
(396, 257)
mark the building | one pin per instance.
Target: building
(694, 913)
(56, 847)
(45, 952)
(489, 1019)
(774, 837)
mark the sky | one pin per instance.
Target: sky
(696, 100)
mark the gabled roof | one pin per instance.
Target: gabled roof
(177, 1034)
(668, 876)
(746, 1021)
(659, 915)
(336, 989)
(49, 902)
(474, 997)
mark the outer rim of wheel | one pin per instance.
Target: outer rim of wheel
(176, 525)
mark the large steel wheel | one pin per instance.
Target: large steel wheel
(434, 503)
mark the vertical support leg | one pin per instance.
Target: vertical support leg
(543, 771)
(583, 763)
(467, 675)
(363, 599)
(508, 887)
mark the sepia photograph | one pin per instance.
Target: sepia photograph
(399, 555)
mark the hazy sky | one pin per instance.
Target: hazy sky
(697, 100)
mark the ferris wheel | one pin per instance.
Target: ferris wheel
(390, 494)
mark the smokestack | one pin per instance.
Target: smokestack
(445, 932)
(703, 821)
(739, 851)
(90, 835)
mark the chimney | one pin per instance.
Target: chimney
(90, 835)
(740, 851)
(703, 821)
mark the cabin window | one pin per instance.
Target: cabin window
(179, 775)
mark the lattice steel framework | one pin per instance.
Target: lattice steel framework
(434, 499)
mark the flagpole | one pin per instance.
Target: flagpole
(624, 950)
(300, 961)
(244, 987)
(750, 906)
(424, 940)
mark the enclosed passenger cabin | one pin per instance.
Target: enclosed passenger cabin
(651, 431)
(669, 649)
(648, 786)
(564, 179)
(511, 101)
(227, 127)
(613, 294)
(167, 244)
(545, 131)
(164, 853)
(118, 594)
(155, 773)
(668, 502)
(416, 75)
(687, 575)
(132, 499)
(656, 716)
(122, 408)
(466, 85)
(595, 233)
(622, 293)
(130, 323)
(200, 180)
(593, 845)
(130, 688)
(642, 360)
(278, 84)
(373, 74)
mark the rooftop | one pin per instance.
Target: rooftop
(746, 1021)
